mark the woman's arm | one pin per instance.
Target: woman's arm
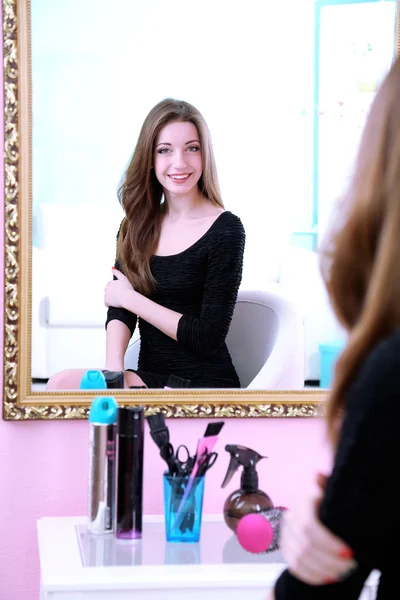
(117, 340)
(120, 296)
(363, 479)
(120, 326)
(312, 552)
(118, 313)
(125, 305)
(164, 319)
(205, 334)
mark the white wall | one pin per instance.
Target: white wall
(98, 68)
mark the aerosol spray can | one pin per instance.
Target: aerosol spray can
(102, 425)
(129, 474)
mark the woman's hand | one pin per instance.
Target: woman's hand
(115, 290)
(313, 553)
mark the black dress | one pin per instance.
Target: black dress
(362, 500)
(201, 283)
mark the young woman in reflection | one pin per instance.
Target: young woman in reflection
(356, 523)
(179, 258)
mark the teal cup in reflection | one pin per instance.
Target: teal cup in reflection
(188, 527)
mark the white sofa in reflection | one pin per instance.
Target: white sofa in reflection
(72, 263)
(70, 266)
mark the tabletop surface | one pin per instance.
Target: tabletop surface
(218, 545)
(71, 557)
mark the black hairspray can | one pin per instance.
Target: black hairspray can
(129, 473)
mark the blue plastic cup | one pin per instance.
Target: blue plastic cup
(188, 527)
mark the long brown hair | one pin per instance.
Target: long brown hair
(360, 263)
(140, 193)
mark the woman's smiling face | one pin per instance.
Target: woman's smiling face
(177, 157)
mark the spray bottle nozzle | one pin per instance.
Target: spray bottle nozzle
(246, 458)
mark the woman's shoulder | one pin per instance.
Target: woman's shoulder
(378, 379)
(230, 218)
(227, 222)
(385, 354)
(226, 236)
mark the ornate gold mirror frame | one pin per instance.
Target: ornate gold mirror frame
(19, 401)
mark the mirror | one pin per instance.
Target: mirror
(285, 127)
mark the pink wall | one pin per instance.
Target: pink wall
(43, 472)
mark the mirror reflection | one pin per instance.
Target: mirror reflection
(284, 127)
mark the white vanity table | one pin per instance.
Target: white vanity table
(77, 566)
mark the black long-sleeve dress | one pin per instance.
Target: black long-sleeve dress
(362, 500)
(202, 284)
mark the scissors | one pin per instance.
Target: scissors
(176, 465)
(205, 462)
(187, 464)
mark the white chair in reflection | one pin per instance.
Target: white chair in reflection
(265, 340)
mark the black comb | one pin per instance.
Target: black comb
(158, 429)
(213, 428)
